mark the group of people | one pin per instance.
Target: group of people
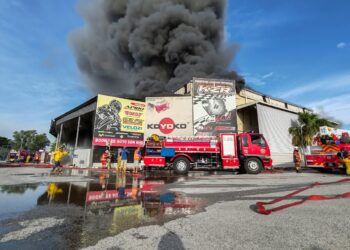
(122, 159)
(106, 159)
(24, 156)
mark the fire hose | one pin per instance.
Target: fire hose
(260, 206)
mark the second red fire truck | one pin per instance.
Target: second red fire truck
(323, 155)
(247, 151)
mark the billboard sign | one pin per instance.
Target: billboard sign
(169, 116)
(118, 122)
(214, 107)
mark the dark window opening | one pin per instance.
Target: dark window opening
(258, 140)
(245, 141)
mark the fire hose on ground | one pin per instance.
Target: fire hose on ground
(260, 206)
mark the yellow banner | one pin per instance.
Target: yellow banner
(119, 115)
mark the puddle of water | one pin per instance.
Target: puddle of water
(19, 198)
(108, 205)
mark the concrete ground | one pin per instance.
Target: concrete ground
(228, 219)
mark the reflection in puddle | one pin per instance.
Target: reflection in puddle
(115, 202)
(18, 198)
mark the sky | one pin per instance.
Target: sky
(295, 50)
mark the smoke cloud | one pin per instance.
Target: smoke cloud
(149, 47)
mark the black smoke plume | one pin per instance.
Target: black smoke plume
(149, 47)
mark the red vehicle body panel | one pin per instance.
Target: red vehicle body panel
(154, 161)
(326, 157)
(192, 146)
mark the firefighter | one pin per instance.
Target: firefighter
(37, 157)
(343, 158)
(137, 160)
(297, 160)
(57, 157)
(105, 158)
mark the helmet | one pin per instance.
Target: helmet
(114, 104)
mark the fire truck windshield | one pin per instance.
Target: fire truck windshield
(258, 140)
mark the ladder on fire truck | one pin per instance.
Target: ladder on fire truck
(214, 159)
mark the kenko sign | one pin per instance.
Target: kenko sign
(169, 116)
(167, 126)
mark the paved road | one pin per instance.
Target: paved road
(230, 222)
(228, 219)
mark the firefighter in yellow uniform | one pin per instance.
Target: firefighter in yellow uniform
(57, 157)
(346, 163)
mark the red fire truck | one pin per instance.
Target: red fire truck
(327, 143)
(248, 151)
(324, 158)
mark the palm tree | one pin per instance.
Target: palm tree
(305, 128)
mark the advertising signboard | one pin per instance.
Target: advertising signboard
(119, 122)
(214, 107)
(169, 116)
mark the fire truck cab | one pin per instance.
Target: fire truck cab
(247, 151)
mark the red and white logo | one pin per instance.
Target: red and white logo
(167, 126)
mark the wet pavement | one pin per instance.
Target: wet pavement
(159, 210)
(79, 213)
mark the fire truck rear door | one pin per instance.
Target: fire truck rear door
(229, 151)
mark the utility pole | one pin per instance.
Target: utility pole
(302, 143)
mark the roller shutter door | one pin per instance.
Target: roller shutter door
(274, 124)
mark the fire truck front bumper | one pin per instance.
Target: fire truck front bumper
(267, 163)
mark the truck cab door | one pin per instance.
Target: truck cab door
(257, 145)
(244, 144)
(229, 156)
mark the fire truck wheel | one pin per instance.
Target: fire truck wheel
(181, 165)
(252, 166)
(325, 170)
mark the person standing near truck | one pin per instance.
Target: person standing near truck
(137, 159)
(343, 158)
(297, 160)
(124, 158)
(104, 158)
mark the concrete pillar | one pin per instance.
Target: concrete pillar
(77, 134)
(91, 163)
(58, 142)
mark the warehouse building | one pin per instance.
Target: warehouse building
(267, 115)
(254, 111)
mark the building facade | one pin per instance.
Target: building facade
(250, 111)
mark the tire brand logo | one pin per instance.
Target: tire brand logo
(167, 126)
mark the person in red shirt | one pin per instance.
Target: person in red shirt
(104, 158)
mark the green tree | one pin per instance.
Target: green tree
(53, 145)
(4, 142)
(5, 145)
(305, 128)
(23, 138)
(30, 139)
(40, 141)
